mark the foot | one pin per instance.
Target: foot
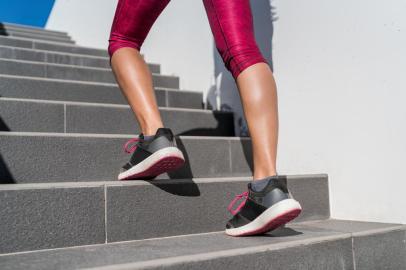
(263, 211)
(152, 157)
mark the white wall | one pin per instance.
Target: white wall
(340, 68)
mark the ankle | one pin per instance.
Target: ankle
(264, 174)
(151, 130)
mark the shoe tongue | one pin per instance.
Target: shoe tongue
(141, 136)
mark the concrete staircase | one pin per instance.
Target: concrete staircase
(63, 122)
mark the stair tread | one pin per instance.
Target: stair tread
(169, 251)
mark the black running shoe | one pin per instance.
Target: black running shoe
(152, 157)
(263, 211)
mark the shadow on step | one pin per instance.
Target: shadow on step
(280, 232)
(246, 146)
(225, 127)
(179, 187)
(3, 125)
(5, 175)
(283, 231)
(3, 31)
(180, 182)
(185, 172)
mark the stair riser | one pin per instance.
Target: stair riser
(25, 29)
(391, 247)
(50, 46)
(59, 58)
(70, 118)
(37, 37)
(150, 212)
(44, 89)
(74, 73)
(29, 159)
(50, 217)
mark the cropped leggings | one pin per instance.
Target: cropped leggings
(230, 21)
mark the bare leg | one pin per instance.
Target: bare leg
(135, 81)
(259, 99)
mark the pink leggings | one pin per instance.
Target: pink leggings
(230, 21)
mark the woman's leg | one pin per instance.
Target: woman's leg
(158, 152)
(258, 94)
(232, 27)
(268, 204)
(132, 21)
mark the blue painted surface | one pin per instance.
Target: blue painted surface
(28, 12)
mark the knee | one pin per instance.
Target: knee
(240, 57)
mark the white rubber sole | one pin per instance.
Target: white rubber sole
(147, 165)
(275, 216)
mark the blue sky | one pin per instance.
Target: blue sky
(28, 12)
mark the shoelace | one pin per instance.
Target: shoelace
(244, 196)
(133, 147)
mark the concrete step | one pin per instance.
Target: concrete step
(64, 90)
(317, 245)
(50, 46)
(36, 36)
(17, 53)
(56, 157)
(32, 115)
(69, 72)
(30, 29)
(40, 216)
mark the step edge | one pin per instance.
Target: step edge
(34, 41)
(61, 53)
(71, 66)
(55, 80)
(38, 36)
(111, 136)
(108, 105)
(23, 26)
(55, 52)
(9, 28)
(116, 183)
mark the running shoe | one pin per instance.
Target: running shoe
(262, 211)
(151, 157)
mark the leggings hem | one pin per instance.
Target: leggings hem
(247, 64)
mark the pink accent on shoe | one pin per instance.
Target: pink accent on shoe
(243, 195)
(132, 149)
